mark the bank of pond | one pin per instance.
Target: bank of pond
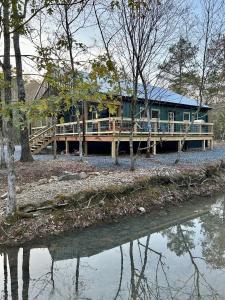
(176, 253)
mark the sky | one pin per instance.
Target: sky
(89, 36)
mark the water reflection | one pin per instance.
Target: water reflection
(175, 255)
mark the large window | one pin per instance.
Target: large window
(186, 116)
(155, 114)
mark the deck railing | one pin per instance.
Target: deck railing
(109, 126)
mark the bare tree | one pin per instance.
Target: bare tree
(6, 66)
(210, 23)
(67, 19)
(2, 144)
(18, 16)
(134, 36)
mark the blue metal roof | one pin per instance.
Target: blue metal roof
(155, 94)
(161, 94)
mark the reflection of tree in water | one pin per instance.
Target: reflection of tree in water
(213, 230)
(181, 241)
(143, 286)
(13, 262)
(5, 276)
(12, 271)
(143, 259)
(178, 238)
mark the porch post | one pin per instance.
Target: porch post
(67, 146)
(203, 145)
(211, 144)
(85, 148)
(179, 145)
(154, 147)
(113, 149)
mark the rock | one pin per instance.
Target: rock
(101, 203)
(18, 190)
(28, 209)
(42, 181)
(72, 176)
(51, 180)
(142, 209)
(83, 175)
(4, 196)
(55, 178)
(222, 165)
(69, 176)
(95, 173)
(35, 215)
(211, 170)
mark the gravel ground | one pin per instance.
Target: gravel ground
(36, 194)
(166, 159)
(110, 174)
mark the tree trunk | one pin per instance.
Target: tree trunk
(54, 138)
(120, 131)
(24, 132)
(146, 111)
(13, 267)
(131, 143)
(11, 198)
(84, 108)
(2, 150)
(5, 267)
(26, 273)
(79, 135)
(2, 140)
(77, 275)
(148, 152)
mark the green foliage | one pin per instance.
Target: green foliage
(180, 69)
(215, 80)
(180, 239)
(219, 123)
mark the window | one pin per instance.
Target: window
(186, 116)
(155, 113)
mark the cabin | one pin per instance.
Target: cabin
(171, 116)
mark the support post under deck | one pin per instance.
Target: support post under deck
(113, 149)
(179, 145)
(85, 148)
(154, 148)
(211, 144)
(67, 146)
(203, 145)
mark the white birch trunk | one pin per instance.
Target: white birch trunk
(11, 198)
(10, 149)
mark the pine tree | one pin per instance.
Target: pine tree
(180, 69)
(215, 81)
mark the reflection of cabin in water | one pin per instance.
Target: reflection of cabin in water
(95, 240)
(171, 115)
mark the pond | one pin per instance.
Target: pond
(172, 254)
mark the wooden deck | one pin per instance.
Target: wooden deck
(114, 129)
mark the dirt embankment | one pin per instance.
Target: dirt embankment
(140, 192)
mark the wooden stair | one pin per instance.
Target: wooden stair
(41, 139)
